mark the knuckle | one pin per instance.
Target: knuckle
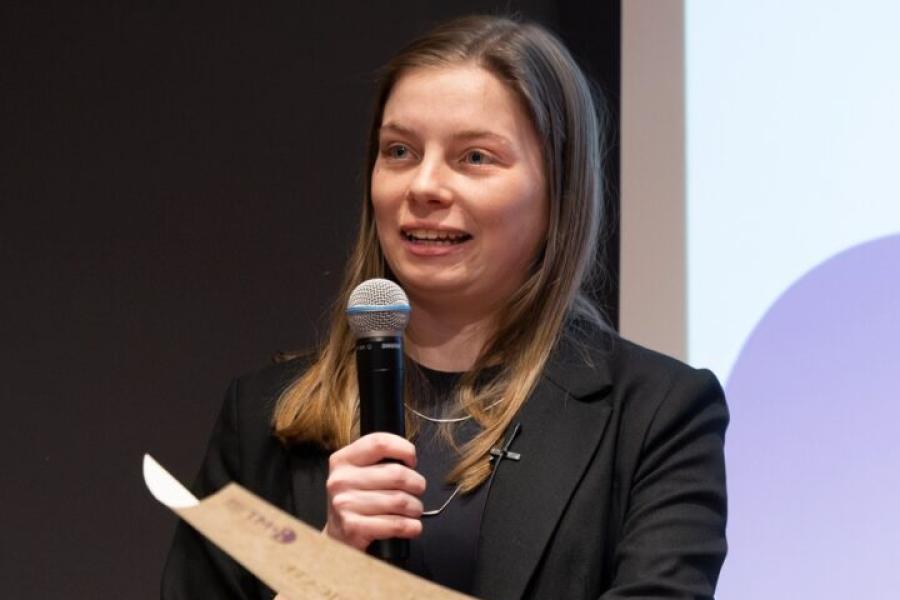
(408, 505)
(334, 460)
(340, 502)
(408, 528)
(351, 526)
(379, 444)
(332, 485)
(415, 507)
(399, 528)
(336, 483)
(409, 448)
(399, 504)
(398, 475)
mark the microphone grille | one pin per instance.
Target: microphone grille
(377, 306)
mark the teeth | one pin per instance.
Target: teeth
(432, 235)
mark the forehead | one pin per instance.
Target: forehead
(455, 97)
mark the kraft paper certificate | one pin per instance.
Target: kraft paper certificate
(285, 553)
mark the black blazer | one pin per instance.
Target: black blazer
(620, 491)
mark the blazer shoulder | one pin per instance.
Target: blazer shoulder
(268, 383)
(590, 360)
(251, 398)
(663, 389)
(633, 360)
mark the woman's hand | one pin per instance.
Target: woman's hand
(370, 500)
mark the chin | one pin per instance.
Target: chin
(435, 283)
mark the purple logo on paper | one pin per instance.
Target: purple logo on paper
(285, 536)
(814, 446)
(267, 524)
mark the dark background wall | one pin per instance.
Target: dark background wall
(178, 186)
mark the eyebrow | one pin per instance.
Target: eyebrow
(468, 134)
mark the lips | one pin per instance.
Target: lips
(435, 237)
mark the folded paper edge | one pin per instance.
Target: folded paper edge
(166, 488)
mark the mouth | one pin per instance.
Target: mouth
(434, 237)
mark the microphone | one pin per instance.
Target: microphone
(378, 312)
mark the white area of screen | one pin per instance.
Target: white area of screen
(793, 152)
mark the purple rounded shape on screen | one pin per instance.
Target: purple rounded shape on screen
(813, 450)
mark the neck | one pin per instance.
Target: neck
(446, 340)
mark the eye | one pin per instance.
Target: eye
(478, 157)
(397, 151)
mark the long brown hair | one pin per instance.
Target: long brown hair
(321, 406)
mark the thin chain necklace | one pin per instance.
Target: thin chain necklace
(447, 420)
(427, 381)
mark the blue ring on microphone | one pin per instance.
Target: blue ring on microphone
(358, 309)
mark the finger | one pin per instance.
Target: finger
(374, 448)
(375, 503)
(384, 476)
(367, 528)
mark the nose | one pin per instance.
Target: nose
(430, 183)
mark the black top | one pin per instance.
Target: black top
(446, 552)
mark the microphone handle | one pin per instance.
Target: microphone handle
(379, 369)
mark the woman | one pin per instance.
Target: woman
(547, 457)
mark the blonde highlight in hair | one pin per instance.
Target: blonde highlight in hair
(321, 406)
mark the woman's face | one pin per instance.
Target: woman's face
(458, 188)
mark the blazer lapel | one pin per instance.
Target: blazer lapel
(562, 424)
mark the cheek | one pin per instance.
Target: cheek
(383, 226)
(522, 218)
(382, 205)
(386, 213)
